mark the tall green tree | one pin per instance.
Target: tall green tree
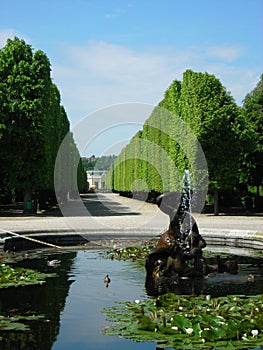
(253, 112)
(196, 112)
(25, 82)
(34, 123)
(217, 122)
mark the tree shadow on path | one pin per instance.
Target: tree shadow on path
(96, 205)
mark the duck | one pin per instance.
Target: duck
(250, 277)
(107, 280)
(210, 275)
(53, 263)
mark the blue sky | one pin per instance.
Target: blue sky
(106, 52)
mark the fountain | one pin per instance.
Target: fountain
(178, 253)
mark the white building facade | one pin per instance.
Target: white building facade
(96, 179)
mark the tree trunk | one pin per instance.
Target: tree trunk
(216, 202)
(35, 204)
(28, 202)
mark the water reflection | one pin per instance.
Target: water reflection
(217, 284)
(48, 300)
(72, 303)
(82, 320)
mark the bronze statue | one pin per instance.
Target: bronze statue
(179, 244)
(178, 252)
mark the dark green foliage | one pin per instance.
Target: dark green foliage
(253, 112)
(23, 94)
(70, 177)
(215, 120)
(89, 163)
(33, 121)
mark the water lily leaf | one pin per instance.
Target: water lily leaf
(197, 329)
(235, 308)
(8, 325)
(182, 322)
(15, 277)
(233, 325)
(146, 324)
(191, 323)
(213, 333)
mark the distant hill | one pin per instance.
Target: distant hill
(99, 163)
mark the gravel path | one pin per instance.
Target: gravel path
(108, 215)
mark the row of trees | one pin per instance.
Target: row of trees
(197, 126)
(33, 124)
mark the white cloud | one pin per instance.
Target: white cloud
(104, 74)
(114, 13)
(115, 63)
(100, 74)
(5, 34)
(227, 53)
(237, 80)
(10, 34)
(117, 11)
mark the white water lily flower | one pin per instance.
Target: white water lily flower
(208, 297)
(189, 330)
(137, 301)
(175, 328)
(254, 332)
(244, 337)
(180, 308)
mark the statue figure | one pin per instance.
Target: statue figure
(179, 250)
(181, 242)
(177, 263)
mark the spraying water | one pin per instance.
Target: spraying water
(185, 204)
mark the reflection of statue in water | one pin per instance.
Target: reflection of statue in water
(181, 243)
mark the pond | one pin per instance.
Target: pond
(71, 304)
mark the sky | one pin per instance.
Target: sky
(118, 52)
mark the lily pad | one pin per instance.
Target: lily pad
(172, 321)
(19, 276)
(14, 323)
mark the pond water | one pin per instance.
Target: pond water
(72, 302)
